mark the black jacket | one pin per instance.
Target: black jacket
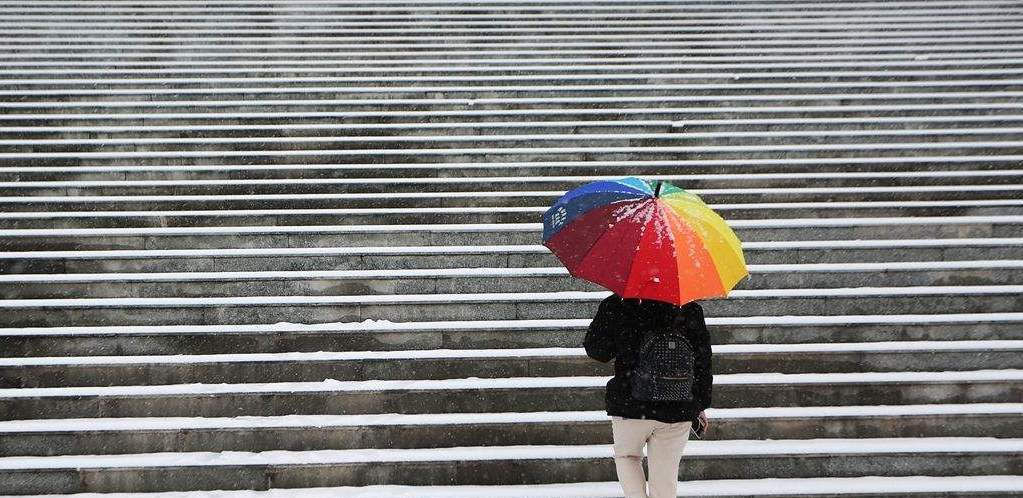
(616, 333)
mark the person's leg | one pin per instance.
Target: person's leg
(630, 435)
(664, 451)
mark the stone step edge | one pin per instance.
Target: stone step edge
(694, 449)
(494, 297)
(385, 326)
(958, 32)
(485, 249)
(473, 194)
(1008, 50)
(481, 113)
(448, 66)
(510, 137)
(514, 150)
(370, 211)
(795, 487)
(524, 354)
(533, 178)
(525, 179)
(500, 272)
(74, 425)
(506, 88)
(781, 487)
(479, 384)
(501, 124)
(777, 223)
(588, 100)
(321, 5)
(708, 53)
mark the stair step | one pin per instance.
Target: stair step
(503, 465)
(441, 364)
(509, 306)
(477, 280)
(409, 177)
(448, 257)
(495, 394)
(85, 436)
(750, 230)
(769, 212)
(807, 487)
(389, 336)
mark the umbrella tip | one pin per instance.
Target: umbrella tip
(657, 189)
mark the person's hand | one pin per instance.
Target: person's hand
(704, 420)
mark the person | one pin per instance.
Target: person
(663, 427)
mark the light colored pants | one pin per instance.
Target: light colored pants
(664, 444)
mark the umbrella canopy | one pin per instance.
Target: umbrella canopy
(648, 240)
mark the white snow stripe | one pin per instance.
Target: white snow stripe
(913, 62)
(330, 5)
(499, 89)
(846, 38)
(457, 194)
(179, 30)
(548, 297)
(987, 346)
(504, 124)
(566, 19)
(514, 150)
(826, 205)
(540, 58)
(336, 386)
(394, 419)
(372, 326)
(710, 449)
(534, 178)
(512, 137)
(866, 50)
(500, 272)
(853, 486)
(503, 249)
(498, 227)
(458, 112)
(553, 100)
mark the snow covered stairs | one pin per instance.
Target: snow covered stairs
(293, 245)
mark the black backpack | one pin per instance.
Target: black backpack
(664, 368)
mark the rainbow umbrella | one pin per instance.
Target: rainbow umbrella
(648, 240)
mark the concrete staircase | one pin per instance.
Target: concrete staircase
(249, 245)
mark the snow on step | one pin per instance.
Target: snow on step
(396, 419)
(385, 326)
(501, 272)
(879, 107)
(503, 249)
(489, 194)
(777, 223)
(547, 165)
(697, 448)
(574, 296)
(525, 353)
(853, 486)
(332, 385)
(511, 88)
(517, 150)
(770, 206)
(476, 113)
(484, 124)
